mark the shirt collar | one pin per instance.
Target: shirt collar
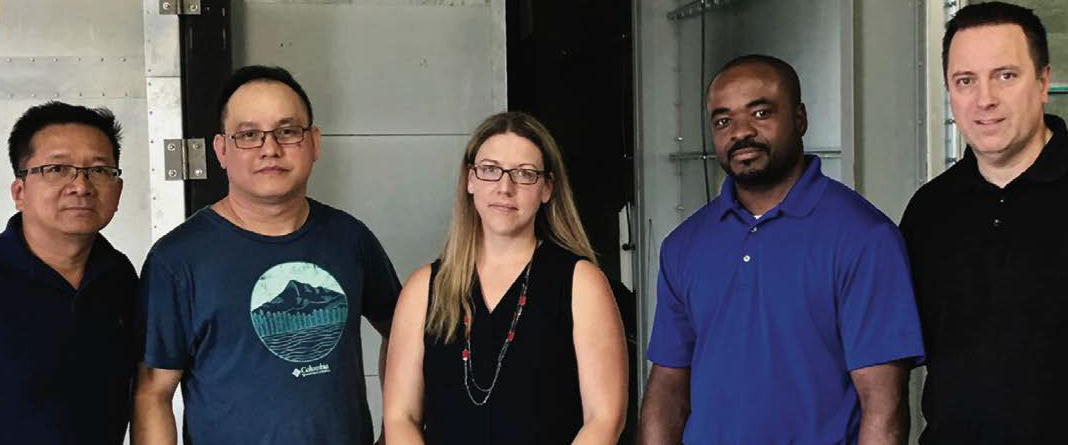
(17, 255)
(799, 201)
(1051, 164)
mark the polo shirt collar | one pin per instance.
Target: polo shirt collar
(1051, 164)
(17, 256)
(800, 201)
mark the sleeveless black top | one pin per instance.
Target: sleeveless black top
(536, 400)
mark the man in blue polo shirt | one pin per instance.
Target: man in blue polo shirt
(65, 352)
(785, 313)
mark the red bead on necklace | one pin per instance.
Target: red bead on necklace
(467, 356)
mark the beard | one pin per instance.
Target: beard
(780, 162)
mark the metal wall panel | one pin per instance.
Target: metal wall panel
(381, 69)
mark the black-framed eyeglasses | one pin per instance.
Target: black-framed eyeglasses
(494, 173)
(289, 135)
(57, 173)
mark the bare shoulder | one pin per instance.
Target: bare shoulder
(416, 288)
(588, 274)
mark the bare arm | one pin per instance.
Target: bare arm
(403, 384)
(601, 352)
(382, 326)
(884, 404)
(153, 418)
(665, 407)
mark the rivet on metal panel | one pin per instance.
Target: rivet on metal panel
(33, 95)
(33, 59)
(171, 147)
(55, 59)
(122, 59)
(198, 172)
(172, 173)
(679, 138)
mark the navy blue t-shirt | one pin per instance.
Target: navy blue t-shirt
(66, 354)
(267, 328)
(772, 314)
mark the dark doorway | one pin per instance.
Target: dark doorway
(570, 64)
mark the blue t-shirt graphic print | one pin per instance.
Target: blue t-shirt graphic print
(266, 330)
(299, 311)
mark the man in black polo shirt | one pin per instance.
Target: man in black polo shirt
(988, 242)
(65, 359)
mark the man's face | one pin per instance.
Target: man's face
(67, 206)
(274, 172)
(756, 127)
(994, 91)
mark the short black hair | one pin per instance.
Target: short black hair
(254, 73)
(55, 113)
(999, 13)
(783, 69)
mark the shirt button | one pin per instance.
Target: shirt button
(997, 222)
(1001, 200)
(746, 258)
(753, 230)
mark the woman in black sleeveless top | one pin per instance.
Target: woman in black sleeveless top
(512, 336)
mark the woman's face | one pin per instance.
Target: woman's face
(507, 206)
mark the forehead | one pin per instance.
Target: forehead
(78, 142)
(988, 46)
(509, 149)
(742, 84)
(264, 102)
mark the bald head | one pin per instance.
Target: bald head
(785, 73)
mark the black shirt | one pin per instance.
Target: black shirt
(536, 399)
(990, 267)
(65, 356)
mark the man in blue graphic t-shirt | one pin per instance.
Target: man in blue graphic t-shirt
(254, 303)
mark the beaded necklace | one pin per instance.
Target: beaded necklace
(468, 355)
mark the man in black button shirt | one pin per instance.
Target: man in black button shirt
(988, 242)
(65, 359)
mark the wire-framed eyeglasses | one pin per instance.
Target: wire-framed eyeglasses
(57, 173)
(494, 173)
(288, 135)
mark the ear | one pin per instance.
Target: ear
(218, 143)
(547, 190)
(801, 119)
(470, 181)
(1044, 81)
(118, 193)
(317, 138)
(18, 186)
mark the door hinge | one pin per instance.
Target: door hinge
(179, 7)
(185, 159)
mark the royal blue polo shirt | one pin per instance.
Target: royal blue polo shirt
(66, 354)
(771, 314)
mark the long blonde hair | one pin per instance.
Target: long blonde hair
(556, 221)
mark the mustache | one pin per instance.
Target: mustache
(747, 143)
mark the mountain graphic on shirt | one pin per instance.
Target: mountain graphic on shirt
(299, 311)
(302, 298)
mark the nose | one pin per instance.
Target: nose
(80, 185)
(270, 147)
(988, 95)
(505, 186)
(742, 128)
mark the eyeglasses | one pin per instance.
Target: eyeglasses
(57, 173)
(255, 138)
(494, 173)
